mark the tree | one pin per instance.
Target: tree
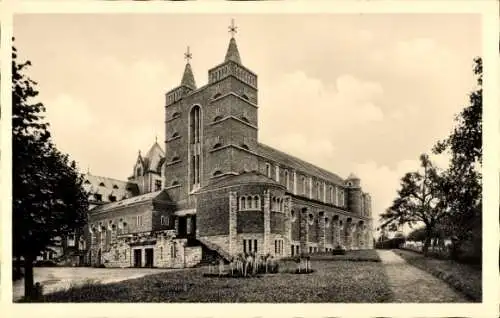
(419, 200)
(48, 198)
(463, 192)
(417, 235)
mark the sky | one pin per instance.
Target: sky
(361, 93)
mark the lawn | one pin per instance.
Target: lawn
(464, 278)
(331, 281)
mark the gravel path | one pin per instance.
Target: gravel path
(412, 285)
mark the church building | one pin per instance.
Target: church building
(216, 191)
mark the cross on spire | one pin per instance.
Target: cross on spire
(233, 29)
(188, 56)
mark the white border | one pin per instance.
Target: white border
(489, 308)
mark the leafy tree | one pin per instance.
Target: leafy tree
(419, 201)
(48, 199)
(463, 192)
(417, 235)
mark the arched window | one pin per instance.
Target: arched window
(311, 219)
(195, 132)
(138, 171)
(112, 198)
(256, 200)
(217, 118)
(115, 186)
(217, 173)
(102, 184)
(87, 182)
(268, 170)
(293, 216)
(287, 179)
(249, 203)
(327, 222)
(242, 203)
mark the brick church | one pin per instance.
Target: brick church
(216, 191)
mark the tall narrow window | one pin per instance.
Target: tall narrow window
(287, 180)
(195, 132)
(304, 187)
(268, 170)
(255, 246)
(244, 246)
(249, 245)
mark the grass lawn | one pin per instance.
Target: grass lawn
(331, 281)
(464, 278)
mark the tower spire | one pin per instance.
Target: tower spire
(188, 77)
(232, 53)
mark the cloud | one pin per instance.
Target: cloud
(317, 110)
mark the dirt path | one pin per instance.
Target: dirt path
(412, 285)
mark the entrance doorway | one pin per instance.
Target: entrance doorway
(137, 258)
(149, 257)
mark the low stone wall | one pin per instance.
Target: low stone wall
(192, 256)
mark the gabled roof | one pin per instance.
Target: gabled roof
(152, 197)
(252, 177)
(153, 158)
(298, 164)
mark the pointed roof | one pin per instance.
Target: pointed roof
(188, 77)
(153, 157)
(232, 53)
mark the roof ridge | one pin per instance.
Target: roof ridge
(334, 175)
(109, 178)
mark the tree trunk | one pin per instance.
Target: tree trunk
(427, 242)
(28, 277)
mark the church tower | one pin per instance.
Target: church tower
(210, 131)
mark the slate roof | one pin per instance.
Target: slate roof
(298, 164)
(108, 186)
(188, 77)
(151, 197)
(232, 53)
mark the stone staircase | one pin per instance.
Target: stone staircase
(211, 252)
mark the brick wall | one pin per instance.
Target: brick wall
(278, 223)
(212, 215)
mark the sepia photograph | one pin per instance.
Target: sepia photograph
(247, 158)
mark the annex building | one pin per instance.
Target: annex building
(216, 191)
